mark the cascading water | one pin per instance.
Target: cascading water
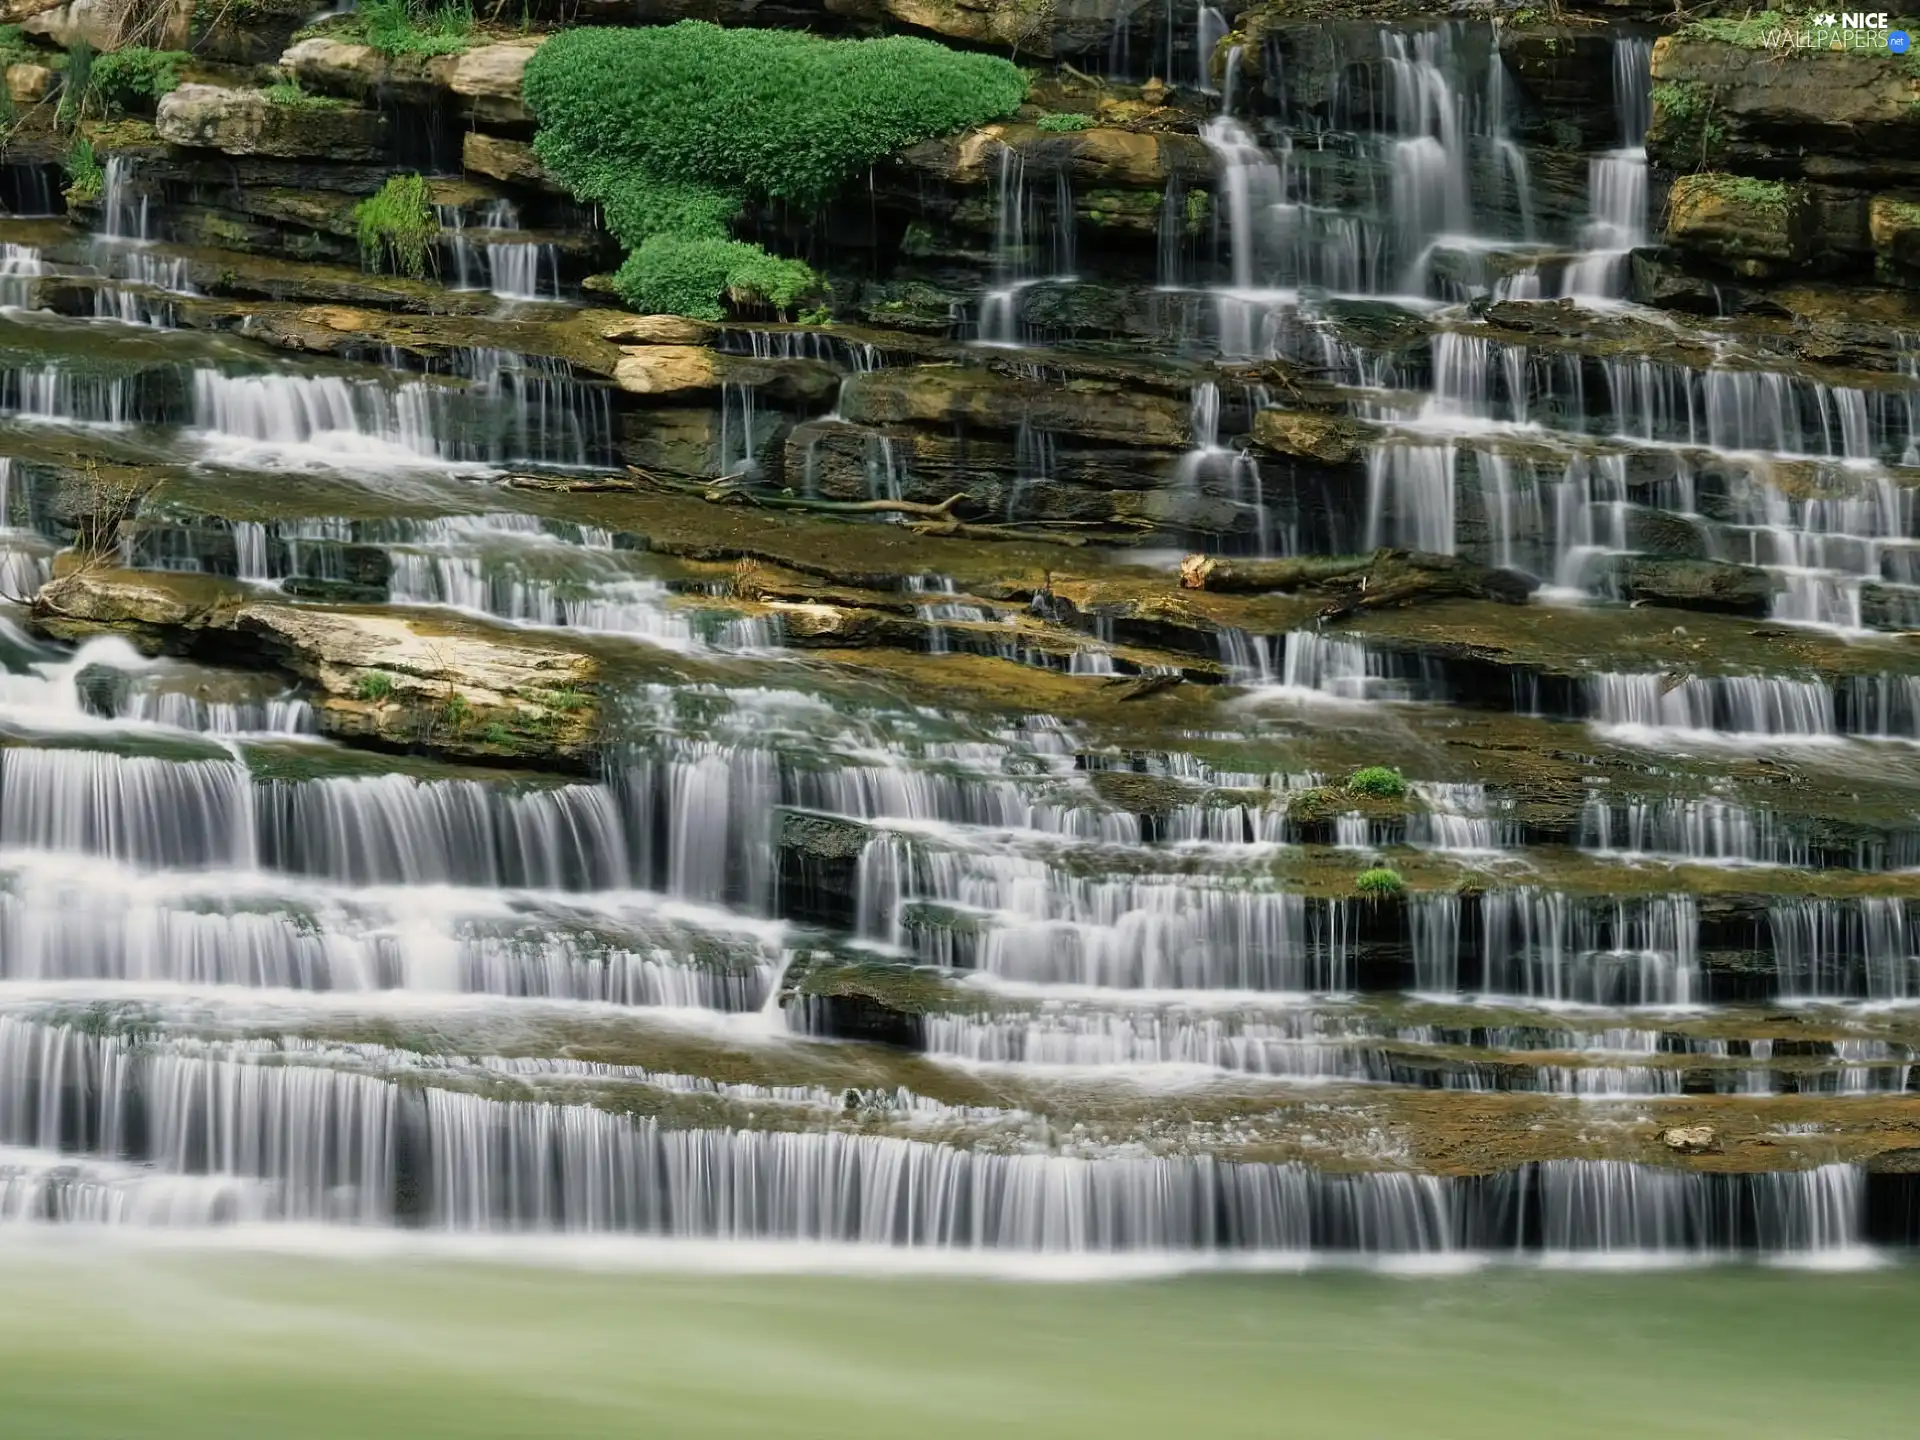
(1617, 180)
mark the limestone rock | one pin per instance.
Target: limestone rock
(956, 394)
(626, 329)
(1098, 159)
(328, 66)
(1308, 435)
(1689, 1139)
(29, 84)
(511, 162)
(246, 122)
(489, 78)
(459, 688)
(1894, 222)
(667, 370)
(1756, 228)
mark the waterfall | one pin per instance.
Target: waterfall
(500, 409)
(1022, 227)
(20, 267)
(1617, 180)
(1837, 948)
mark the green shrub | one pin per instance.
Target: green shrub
(135, 78)
(1377, 781)
(397, 27)
(1379, 881)
(85, 177)
(375, 685)
(673, 130)
(1064, 122)
(397, 227)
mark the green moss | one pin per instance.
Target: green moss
(397, 227)
(134, 78)
(674, 130)
(1065, 122)
(1377, 781)
(374, 686)
(85, 177)
(1769, 196)
(17, 49)
(1379, 881)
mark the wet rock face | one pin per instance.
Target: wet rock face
(247, 122)
(1756, 228)
(1847, 117)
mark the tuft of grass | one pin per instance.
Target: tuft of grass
(1379, 881)
(288, 93)
(85, 176)
(1065, 121)
(375, 686)
(397, 228)
(1377, 781)
(397, 27)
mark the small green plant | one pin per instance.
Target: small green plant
(397, 228)
(1065, 121)
(16, 49)
(567, 700)
(456, 712)
(397, 27)
(85, 178)
(1377, 781)
(376, 687)
(1379, 881)
(288, 92)
(497, 734)
(134, 78)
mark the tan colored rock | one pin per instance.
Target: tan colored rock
(1689, 1139)
(95, 21)
(459, 687)
(1308, 435)
(490, 77)
(1101, 157)
(511, 162)
(945, 395)
(328, 66)
(667, 370)
(29, 84)
(628, 329)
(1755, 228)
(246, 122)
(1894, 223)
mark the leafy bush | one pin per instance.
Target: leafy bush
(672, 131)
(375, 685)
(85, 177)
(397, 27)
(1379, 881)
(397, 226)
(135, 78)
(1377, 781)
(1065, 122)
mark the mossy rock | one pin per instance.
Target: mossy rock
(1755, 228)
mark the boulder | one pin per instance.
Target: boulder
(511, 162)
(328, 66)
(246, 122)
(29, 84)
(667, 370)
(1695, 584)
(1101, 159)
(489, 79)
(1689, 1139)
(1755, 228)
